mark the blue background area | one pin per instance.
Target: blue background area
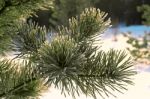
(136, 30)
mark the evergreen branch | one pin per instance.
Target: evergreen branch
(72, 63)
(29, 38)
(14, 12)
(70, 71)
(90, 23)
(19, 80)
(106, 70)
(87, 26)
(16, 88)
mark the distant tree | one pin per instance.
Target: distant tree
(122, 10)
(145, 9)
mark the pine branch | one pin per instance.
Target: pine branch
(89, 24)
(71, 62)
(14, 12)
(18, 87)
(29, 38)
(70, 71)
(19, 80)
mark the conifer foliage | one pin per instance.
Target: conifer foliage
(14, 11)
(68, 60)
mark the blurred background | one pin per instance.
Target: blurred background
(122, 12)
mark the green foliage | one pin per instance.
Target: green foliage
(88, 24)
(2, 4)
(69, 60)
(13, 12)
(140, 47)
(18, 80)
(145, 9)
(29, 38)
